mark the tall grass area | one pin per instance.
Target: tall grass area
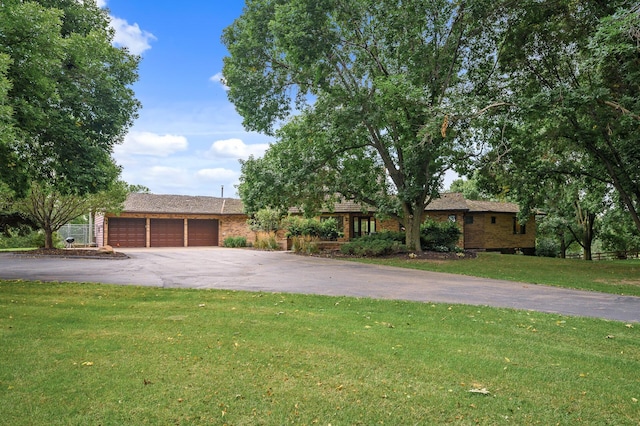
(611, 276)
(78, 354)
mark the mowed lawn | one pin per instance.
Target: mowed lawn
(610, 276)
(85, 354)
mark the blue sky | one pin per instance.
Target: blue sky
(188, 138)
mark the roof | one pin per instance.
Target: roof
(187, 204)
(455, 201)
(450, 201)
(157, 203)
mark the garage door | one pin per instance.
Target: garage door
(167, 232)
(203, 232)
(126, 232)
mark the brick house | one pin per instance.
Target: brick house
(152, 220)
(485, 225)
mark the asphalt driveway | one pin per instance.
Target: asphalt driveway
(251, 270)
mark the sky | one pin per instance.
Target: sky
(188, 137)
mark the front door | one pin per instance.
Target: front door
(363, 225)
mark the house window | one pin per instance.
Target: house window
(452, 218)
(493, 220)
(517, 228)
(468, 220)
(363, 225)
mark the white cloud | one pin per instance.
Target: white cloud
(131, 36)
(236, 148)
(147, 143)
(101, 3)
(219, 78)
(217, 174)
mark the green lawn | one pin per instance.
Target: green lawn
(80, 354)
(611, 276)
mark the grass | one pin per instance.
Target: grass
(77, 354)
(614, 276)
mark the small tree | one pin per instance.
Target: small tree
(265, 220)
(50, 210)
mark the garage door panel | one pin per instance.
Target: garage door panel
(203, 232)
(167, 232)
(127, 232)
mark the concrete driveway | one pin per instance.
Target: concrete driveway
(237, 269)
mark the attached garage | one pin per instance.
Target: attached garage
(203, 232)
(151, 220)
(166, 232)
(127, 232)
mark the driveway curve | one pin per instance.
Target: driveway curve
(251, 270)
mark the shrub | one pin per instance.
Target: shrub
(27, 240)
(297, 226)
(547, 247)
(329, 229)
(387, 236)
(235, 242)
(439, 236)
(380, 244)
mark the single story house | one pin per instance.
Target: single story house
(151, 220)
(485, 225)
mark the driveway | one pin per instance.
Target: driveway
(237, 269)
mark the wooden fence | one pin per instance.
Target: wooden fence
(610, 255)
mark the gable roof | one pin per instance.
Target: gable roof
(159, 203)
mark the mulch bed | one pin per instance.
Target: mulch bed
(94, 254)
(425, 255)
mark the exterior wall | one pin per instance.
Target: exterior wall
(229, 225)
(98, 227)
(500, 235)
(483, 234)
(234, 226)
(387, 225)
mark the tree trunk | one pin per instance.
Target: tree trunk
(563, 247)
(588, 235)
(412, 222)
(48, 238)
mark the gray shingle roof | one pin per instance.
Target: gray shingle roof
(157, 203)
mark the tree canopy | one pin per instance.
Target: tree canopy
(65, 96)
(369, 101)
(574, 75)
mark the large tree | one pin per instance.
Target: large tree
(574, 73)
(368, 98)
(69, 96)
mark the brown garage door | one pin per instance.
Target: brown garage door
(203, 232)
(127, 232)
(167, 232)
